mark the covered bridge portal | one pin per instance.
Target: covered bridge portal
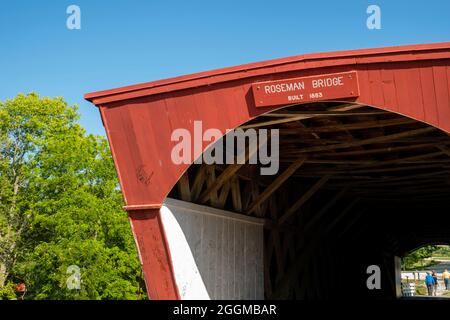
(364, 162)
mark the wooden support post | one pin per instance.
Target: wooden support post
(301, 255)
(154, 254)
(210, 181)
(184, 188)
(236, 194)
(199, 181)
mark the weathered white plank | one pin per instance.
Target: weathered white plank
(227, 249)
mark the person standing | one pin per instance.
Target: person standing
(429, 282)
(446, 276)
(435, 286)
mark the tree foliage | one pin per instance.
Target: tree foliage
(60, 206)
(413, 258)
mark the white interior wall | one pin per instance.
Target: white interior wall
(216, 254)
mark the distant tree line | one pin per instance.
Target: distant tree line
(415, 259)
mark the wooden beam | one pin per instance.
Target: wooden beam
(275, 238)
(425, 190)
(287, 112)
(254, 192)
(387, 185)
(378, 150)
(219, 182)
(405, 159)
(352, 126)
(348, 162)
(224, 194)
(291, 273)
(425, 201)
(279, 180)
(236, 194)
(199, 181)
(210, 179)
(340, 171)
(403, 179)
(249, 172)
(183, 187)
(267, 280)
(274, 122)
(427, 139)
(312, 114)
(305, 197)
(371, 163)
(228, 173)
(290, 117)
(357, 143)
(444, 149)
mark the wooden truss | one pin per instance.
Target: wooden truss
(333, 158)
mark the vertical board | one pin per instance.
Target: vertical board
(441, 88)
(154, 254)
(428, 94)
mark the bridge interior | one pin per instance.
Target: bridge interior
(357, 186)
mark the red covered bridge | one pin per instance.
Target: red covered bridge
(364, 147)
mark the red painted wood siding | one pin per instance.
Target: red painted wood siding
(412, 80)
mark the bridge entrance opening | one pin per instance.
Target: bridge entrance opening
(425, 272)
(356, 187)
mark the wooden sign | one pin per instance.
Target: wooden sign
(306, 89)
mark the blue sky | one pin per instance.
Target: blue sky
(127, 42)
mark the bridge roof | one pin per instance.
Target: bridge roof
(298, 62)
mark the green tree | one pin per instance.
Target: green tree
(60, 206)
(417, 256)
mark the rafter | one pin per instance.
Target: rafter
(390, 149)
(302, 115)
(356, 143)
(352, 126)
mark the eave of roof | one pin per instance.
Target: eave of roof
(298, 62)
